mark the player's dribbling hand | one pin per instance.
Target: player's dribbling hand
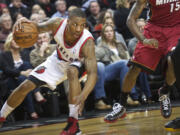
(18, 23)
(151, 42)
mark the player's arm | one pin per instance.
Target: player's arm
(133, 16)
(88, 52)
(50, 25)
(131, 23)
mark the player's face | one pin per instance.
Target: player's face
(76, 26)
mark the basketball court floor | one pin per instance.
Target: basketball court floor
(146, 121)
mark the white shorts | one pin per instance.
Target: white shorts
(53, 71)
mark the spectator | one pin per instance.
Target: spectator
(98, 27)
(85, 4)
(120, 17)
(38, 55)
(4, 9)
(77, 3)
(119, 37)
(61, 9)
(109, 13)
(94, 9)
(16, 70)
(6, 27)
(42, 49)
(102, 17)
(71, 8)
(47, 6)
(42, 15)
(36, 8)
(112, 58)
(2, 6)
(18, 16)
(17, 6)
(133, 41)
(110, 66)
(35, 17)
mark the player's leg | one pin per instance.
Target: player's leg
(74, 90)
(170, 76)
(174, 125)
(165, 104)
(129, 77)
(16, 98)
(129, 82)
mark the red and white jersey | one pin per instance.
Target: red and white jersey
(165, 13)
(70, 53)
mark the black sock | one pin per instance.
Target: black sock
(123, 98)
(165, 89)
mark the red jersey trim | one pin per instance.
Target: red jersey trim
(84, 44)
(58, 27)
(74, 43)
(146, 67)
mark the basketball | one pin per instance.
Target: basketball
(26, 36)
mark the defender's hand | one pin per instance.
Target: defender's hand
(151, 42)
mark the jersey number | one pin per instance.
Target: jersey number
(175, 6)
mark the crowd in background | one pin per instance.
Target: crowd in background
(106, 20)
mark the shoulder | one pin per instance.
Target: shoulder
(88, 47)
(89, 42)
(87, 33)
(34, 51)
(57, 21)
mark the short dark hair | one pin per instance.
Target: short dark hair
(77, 12)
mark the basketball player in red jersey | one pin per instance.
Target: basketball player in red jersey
(160, 35)
(75, 48)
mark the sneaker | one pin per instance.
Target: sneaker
(165, 103)
(117, 112)
(72, 127)
(165, 106)
(2, 120)
(173, 125)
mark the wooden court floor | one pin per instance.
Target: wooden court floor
(138, 123)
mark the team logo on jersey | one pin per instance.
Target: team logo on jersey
(40, 70)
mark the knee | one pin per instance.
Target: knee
(72, 72)
(134, 71)
(125, 62)
(100, 66)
